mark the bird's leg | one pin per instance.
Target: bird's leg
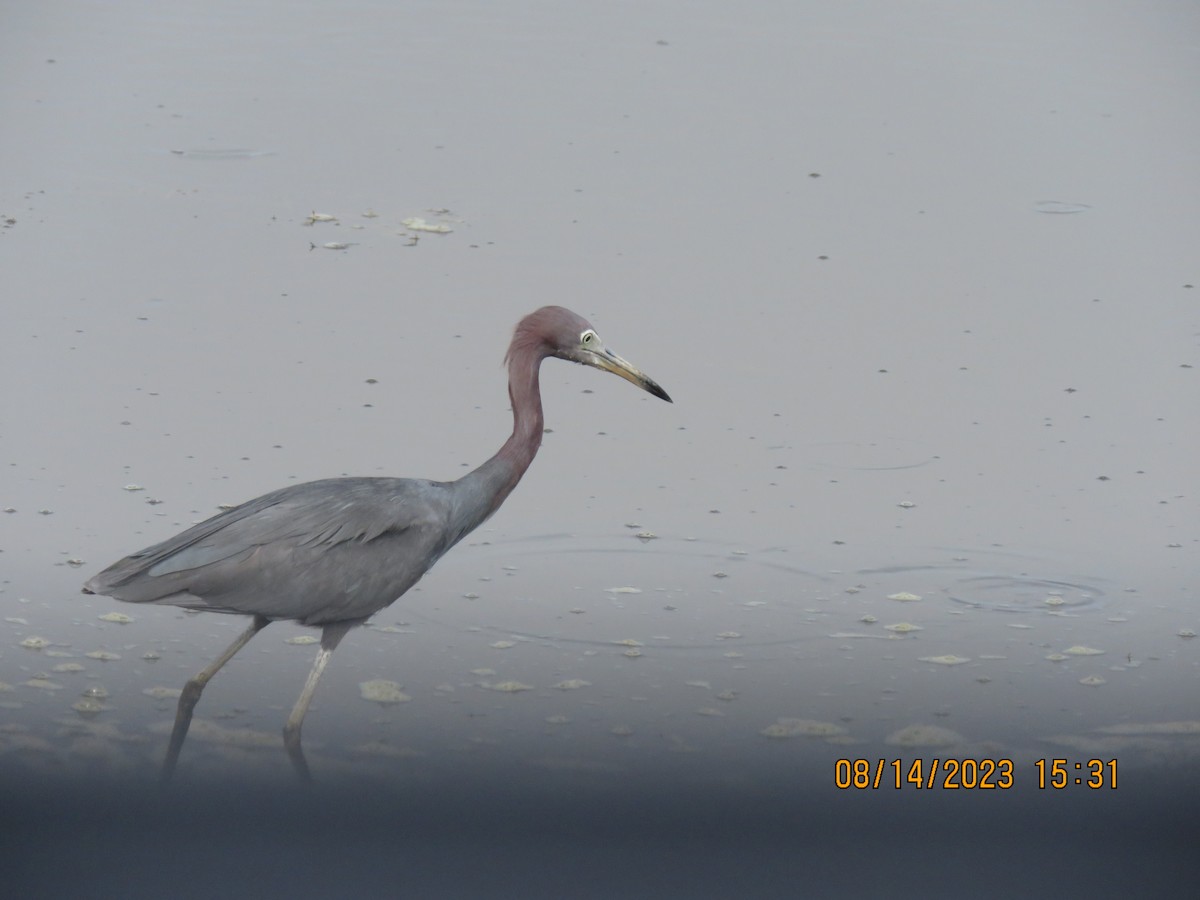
(191, 694)
(331, 636)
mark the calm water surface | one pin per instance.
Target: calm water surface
(920, 278)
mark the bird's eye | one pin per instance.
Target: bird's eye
(587, 338)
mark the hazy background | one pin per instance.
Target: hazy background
(919, 277)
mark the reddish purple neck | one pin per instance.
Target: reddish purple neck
(479, 493)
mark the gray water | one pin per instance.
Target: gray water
(920, 278)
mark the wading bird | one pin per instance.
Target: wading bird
(334, 552)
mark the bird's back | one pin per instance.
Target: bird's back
(324, 551)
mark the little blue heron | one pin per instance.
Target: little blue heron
(332, 553)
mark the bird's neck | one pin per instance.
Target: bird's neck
(481, 491)
(526, 398)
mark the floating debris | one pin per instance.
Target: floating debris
(67, 668)
(904, 597)
(924, 736)
(76, 563)
(622, 590)
(727, 696)
(1092, 680)
(906, 504)
(629, 642)
(33, 642)
(646, 536)
(572, 684)
(1056, 657)
(1059, 207)
(43, 684)
(1055, 600)
(1080, 650)
(788, 728)
(621, 730)
(95, 691)
(103, 655)
(133, 487)
(302, 639)
(88, 707)
(728, 635)
(336, 245)
(508, 687)
(116, 618)
(162, 693)
(222, 153)
(948, 660)
(1186, 633)
(315, 217)
(868, 620)
(381, 691)
(632, 653)
(502, 645)
(151, 656)
(416, 223)
(210, 732)
(903, 627)
(392, 629)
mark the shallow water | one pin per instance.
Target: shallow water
(919, 278)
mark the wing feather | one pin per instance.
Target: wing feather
(215, 559)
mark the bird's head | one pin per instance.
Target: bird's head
(556, 331)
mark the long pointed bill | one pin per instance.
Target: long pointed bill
(608, 361)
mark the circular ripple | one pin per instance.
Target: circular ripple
(1015, 593)
(672, 595)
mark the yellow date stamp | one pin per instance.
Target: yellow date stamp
(928, 773)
